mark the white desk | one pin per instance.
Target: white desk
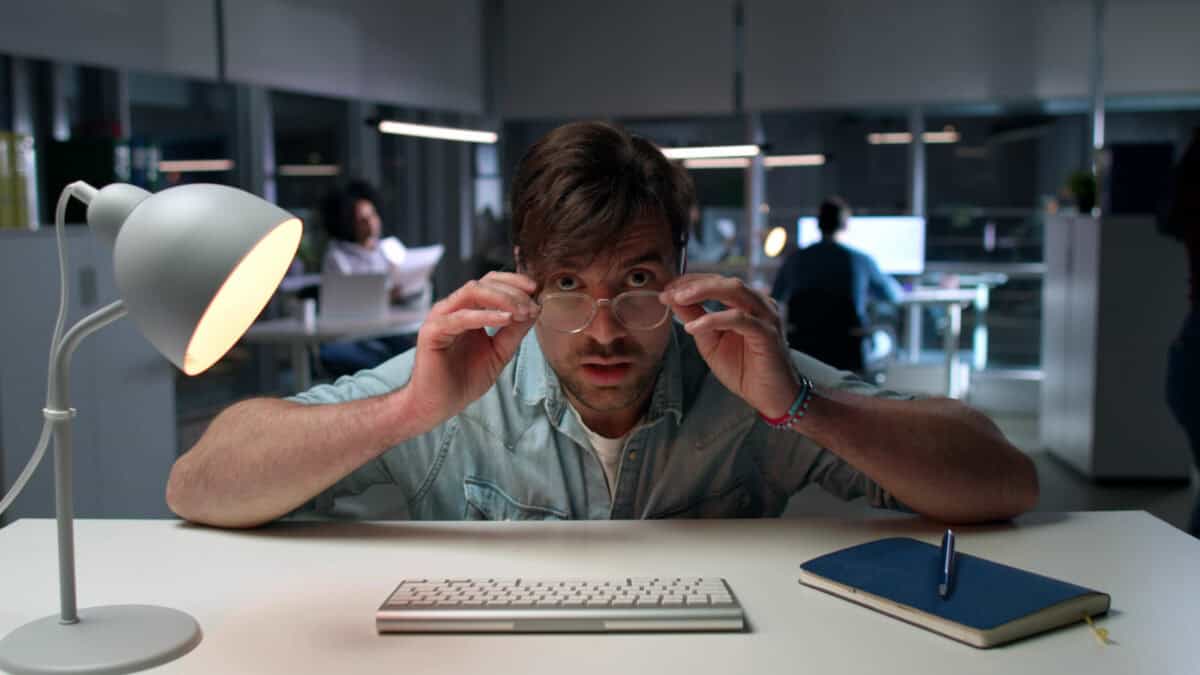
(299, 337)
(301, 598)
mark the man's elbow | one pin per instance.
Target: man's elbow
(190, 504)
(1028, 488)
(178, 493)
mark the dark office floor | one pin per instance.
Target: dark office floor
(1062, 488)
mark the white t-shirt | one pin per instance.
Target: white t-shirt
(607, 449)
(346, 257)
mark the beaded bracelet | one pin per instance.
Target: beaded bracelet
(796, 411)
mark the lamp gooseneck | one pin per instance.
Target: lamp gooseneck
(59, 413)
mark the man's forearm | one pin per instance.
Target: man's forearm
(262, 458)
(937, 456)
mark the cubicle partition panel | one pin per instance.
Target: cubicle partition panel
(1115, 296)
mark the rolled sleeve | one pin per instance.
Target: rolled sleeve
(375, 490)
(801, 462)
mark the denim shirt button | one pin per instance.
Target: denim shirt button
(633, 456)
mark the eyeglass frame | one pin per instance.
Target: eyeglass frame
(682, 255)
(605, 301)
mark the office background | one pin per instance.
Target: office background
(275, 97)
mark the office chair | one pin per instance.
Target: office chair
(826, 326)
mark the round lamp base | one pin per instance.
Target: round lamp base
(111, 639)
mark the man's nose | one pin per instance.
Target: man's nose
(605, 328)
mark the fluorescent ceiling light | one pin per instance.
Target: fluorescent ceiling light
(890, 138)
(195, 165)
(947, 135)
(308, 169)
(712, 151)
(441, 133)
(717, 163)
(772, 161)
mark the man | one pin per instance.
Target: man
(608, 407)
(835, 282)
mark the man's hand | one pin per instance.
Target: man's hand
(456, 360)
(743, 344)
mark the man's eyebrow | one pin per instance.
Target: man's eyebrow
(648, 257)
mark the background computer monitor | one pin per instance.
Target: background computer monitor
(897, 243)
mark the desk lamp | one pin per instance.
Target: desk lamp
(194, 265)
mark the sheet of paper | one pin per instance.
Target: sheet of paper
(411, 266)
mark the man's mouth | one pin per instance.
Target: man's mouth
(606, 371)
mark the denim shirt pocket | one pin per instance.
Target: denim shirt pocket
(488, 501)
(737, 500)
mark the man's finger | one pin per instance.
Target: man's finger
(479, 295)
(506, 341)
(443, 329)
(729, 291)
(684, 312)
(521, 281)
(518, 295)
(735, 320)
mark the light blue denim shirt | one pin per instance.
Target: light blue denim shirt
(518, 453)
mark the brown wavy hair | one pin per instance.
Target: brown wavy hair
(582, 184)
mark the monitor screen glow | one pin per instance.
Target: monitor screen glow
(897, 243)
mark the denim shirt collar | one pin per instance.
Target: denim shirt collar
(536, 382)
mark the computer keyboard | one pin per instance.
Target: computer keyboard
(560, 605)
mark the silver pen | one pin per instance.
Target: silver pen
(947, 564)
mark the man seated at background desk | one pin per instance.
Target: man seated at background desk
(609, 409)
(837, 281)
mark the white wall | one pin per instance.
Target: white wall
(620, 57)
(821, 53)
(166, 36)
(827, 53)
(1152, 46)
(425, 54)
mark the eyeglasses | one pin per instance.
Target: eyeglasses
(571, 312)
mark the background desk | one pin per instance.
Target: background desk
(953, 299)
(298, 337)
(301, 598)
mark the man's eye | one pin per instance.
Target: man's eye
(566, 283)
(638, 278)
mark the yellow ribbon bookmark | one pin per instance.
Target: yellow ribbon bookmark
(1100, 633)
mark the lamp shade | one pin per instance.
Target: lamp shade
(195, 264)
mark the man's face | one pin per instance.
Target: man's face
(608, 367)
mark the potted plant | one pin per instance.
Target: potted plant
(1082, 186)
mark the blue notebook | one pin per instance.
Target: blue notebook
(989, 604)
